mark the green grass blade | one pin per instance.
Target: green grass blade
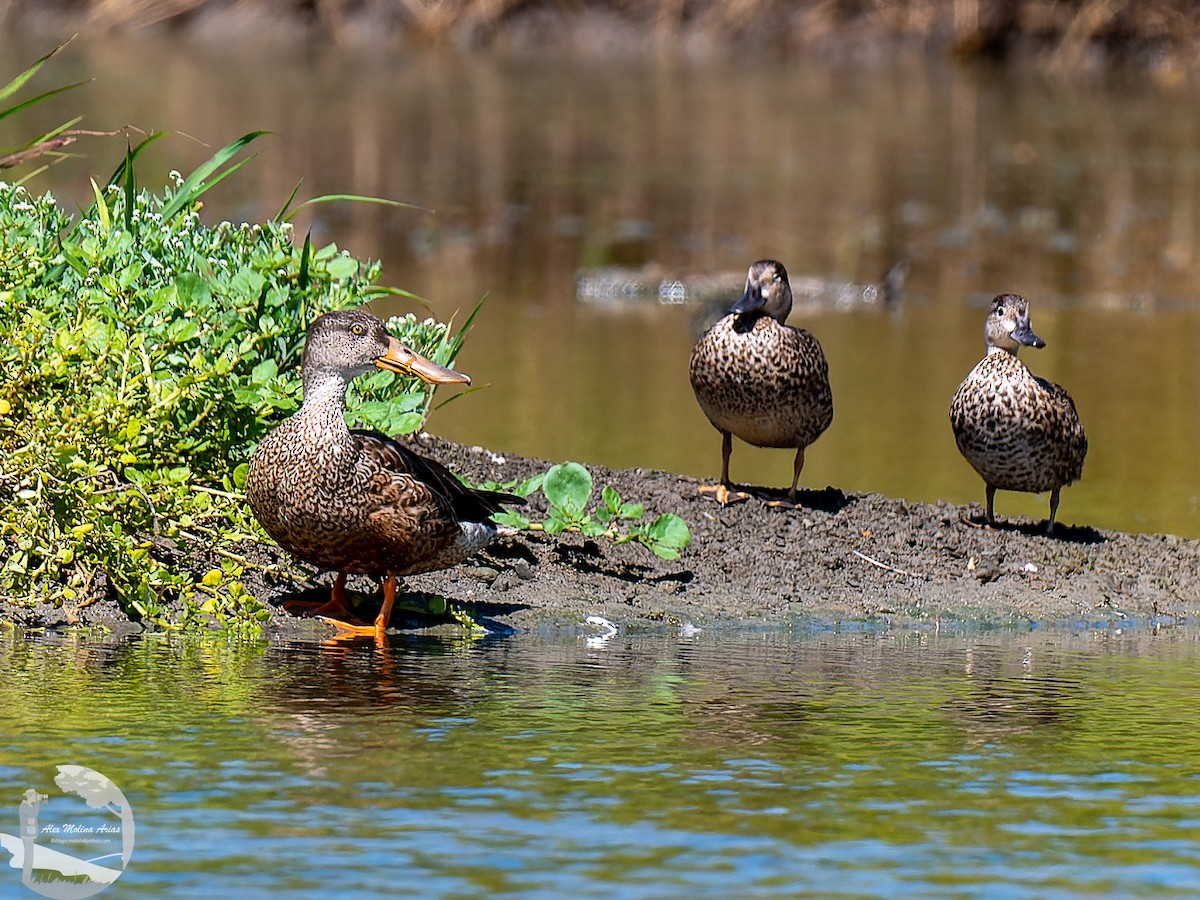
(174, 208)
(101, 207)
(33, 101)
(305, 257)
(463, 393)
(461, 335)
(119, 175)
(34, 173)
(130, 188)
(17, 83)
(382, 290)
(208, 185)
(352, 198)
(291, 197)
(50, 135)
(198, 182)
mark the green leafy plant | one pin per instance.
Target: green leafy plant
(142, 356)
(568, 490)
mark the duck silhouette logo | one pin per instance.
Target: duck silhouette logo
(74, 845)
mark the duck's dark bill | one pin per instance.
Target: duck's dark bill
(751, 301)
(401, 359)
(1024, 335)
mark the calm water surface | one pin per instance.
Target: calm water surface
(998, 764)
(1084, 196)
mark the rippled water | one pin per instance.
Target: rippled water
(862, 763)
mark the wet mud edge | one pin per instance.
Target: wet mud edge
(838, 557)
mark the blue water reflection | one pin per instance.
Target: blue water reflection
(864, 763)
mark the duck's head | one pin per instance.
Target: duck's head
(768, 291)
(351, 342)
(1008, 326)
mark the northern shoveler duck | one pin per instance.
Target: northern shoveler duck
(1018, 431)
(358, 501)
(761, 379)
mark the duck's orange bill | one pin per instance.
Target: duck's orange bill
(408, 362)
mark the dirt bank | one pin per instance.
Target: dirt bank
(839, 557)
(842, 556)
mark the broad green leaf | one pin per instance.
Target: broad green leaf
(265, 371)
(342, 267)
(670, 530)
(590, 528)
(529, 485)
(407, 423)
(569, 487)
(510, 518)
(632, 510)
(555, 523)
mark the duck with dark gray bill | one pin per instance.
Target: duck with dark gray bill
(359, 501)
(1018, 431)
(761, 379)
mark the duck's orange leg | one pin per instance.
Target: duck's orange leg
(335, 613)
(797, 467)
(722, 491)
(334, 607)
(348, 626)
(389, 600)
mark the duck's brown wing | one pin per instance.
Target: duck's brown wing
(1060, 419)
(468, 504)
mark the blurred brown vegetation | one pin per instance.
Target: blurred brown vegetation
(1060, 33)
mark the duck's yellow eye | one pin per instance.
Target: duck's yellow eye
(358, 329)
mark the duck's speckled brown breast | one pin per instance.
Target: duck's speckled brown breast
(1019, 432)
(327, 502)
(768, 384)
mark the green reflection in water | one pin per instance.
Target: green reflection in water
(754, 762)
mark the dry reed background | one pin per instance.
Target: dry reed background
(1161, 34)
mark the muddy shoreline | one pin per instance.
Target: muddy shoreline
(842, 557)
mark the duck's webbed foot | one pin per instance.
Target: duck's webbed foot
(723, 494)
